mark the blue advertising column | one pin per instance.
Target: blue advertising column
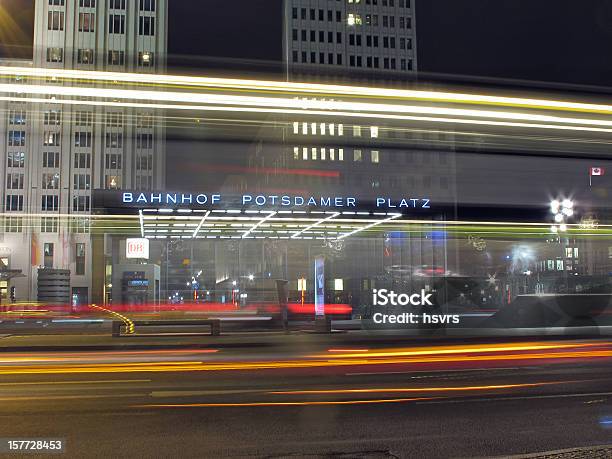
(322, 324)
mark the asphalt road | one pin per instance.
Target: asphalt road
(478, 400)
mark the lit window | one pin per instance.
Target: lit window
(332, 154)
(296, 153)
(375, 156)
(145, 59)
(357, 155)
(340, 129)
(357, 131)
(353, 19)
(374, 132)
(314, 154)
(341, 154)
(296, 127)
(323, 154)
(305, 154)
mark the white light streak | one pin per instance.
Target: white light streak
(258, 224)
(367, 227)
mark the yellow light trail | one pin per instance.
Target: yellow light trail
(129, 325)
(260, 104)
(461, 349)
(415, 389)
(305, 403)
(154, 367)
(307, 89)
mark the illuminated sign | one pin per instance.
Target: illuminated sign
(319, 280)
(140, 199)
(137, 248)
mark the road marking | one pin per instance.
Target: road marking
(44, 383)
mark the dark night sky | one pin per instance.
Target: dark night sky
(547, 40)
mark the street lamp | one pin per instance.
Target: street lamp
(251, 277)
(561, 210)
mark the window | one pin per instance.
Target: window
(147, 5)
(116, 23)
(14, 181)
(354, 19)
(51, 159)
(17, 117)
(114, 119)
(113, 182)
(56, 2)
(52, 117)
(144, 141)
(55, 55)
(15, 159)
(146, 25)
(49, 203)
(144, 182)
(116, 4)
(375, 156)
(82, 182)
(145, 162)
(48, 255)
(80, 258)
(13, 224)
(87, 22)
(82, 139)
(49, 225)
(357, 155)
(55, 20)
(83, 118)
(14, 203)
(87, 3)
(144, 121)
(16, 138)
(80, 203)
(114, 140)
(85, 56)
(50, 181)
(145, 59)
(374, 132)
(356, 131)
(82, 160)
(113, 161)
(116, 57)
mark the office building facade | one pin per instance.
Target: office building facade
(358, 35)
(55, 155)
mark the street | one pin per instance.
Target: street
(302, 398)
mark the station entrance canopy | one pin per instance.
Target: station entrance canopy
(161, 215)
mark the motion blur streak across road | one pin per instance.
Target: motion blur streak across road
(298, 396)
(183, 361)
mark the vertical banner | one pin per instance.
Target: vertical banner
(319, 277)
